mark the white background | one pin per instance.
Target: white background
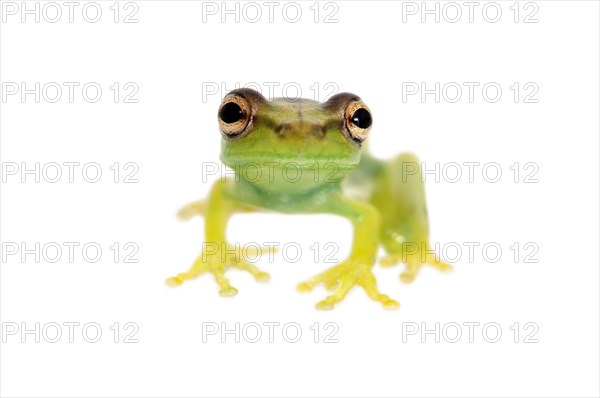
(171, 54)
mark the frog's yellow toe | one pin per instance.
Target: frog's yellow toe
(325, 305)
(228, 291)
(184, 215)
(304, 287)
(389, 261)
(407, 277)
(173, 281)
(262, 277)
(331, 285)
(442, 265)
(390, 304)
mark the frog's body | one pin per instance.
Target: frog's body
(305, 157)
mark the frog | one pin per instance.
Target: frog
(301, 156)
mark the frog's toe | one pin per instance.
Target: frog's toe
(389, 261)
(331, 284)
(414, 262)
(369, 283)
(262, 277)
(191, 209)
(228, 291)
(308, 286)
(390, 304)
(329, 278)
(326, 305)
(259, 275)
(178, 279)
(173, 281)
(304, 287)
(441, 265)
(184, 214)
(407, 277)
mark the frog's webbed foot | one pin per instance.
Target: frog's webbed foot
(343, 277)
(217, 263)
(414, 263)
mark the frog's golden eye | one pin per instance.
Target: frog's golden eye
(358, 120)
(234, 115)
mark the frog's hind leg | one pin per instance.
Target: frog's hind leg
(404, 233)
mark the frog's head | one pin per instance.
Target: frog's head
(298, 133)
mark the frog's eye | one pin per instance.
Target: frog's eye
(234, 115)
(358, 120)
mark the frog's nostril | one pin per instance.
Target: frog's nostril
(318, 130)
(282, 129)
(300, 129)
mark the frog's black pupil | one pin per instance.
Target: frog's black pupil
(231, 113)
(362, 118)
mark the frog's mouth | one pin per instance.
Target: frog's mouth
(297, 175)
(265, 162)
(299, 156)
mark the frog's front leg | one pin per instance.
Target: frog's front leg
(217, 253)
(356, 270)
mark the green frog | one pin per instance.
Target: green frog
(302, 156)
